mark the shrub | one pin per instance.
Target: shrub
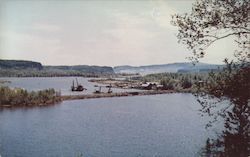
(21, 97)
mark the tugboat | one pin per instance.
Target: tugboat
(78, 87)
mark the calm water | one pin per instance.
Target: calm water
(62, 84)
(148, 126)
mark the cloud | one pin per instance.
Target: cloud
(86, 32)
(45, 27)
(161, 14)
(27, 45)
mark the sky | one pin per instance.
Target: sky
(96, 32)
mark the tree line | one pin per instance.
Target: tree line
(177, 81)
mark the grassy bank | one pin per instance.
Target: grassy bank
(21, 97)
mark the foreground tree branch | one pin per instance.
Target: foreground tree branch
(213, 20)
(210, 21)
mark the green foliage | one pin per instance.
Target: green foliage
(213, 20)
(21, 97)
(210, 21)
(176, 81)
(19, 64)
(168, 84)
(231, 85)
(186, 83)
(17, 68)
(49, 73)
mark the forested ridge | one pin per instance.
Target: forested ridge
(20, 68)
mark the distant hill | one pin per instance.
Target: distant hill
(19, 68)
(82, 68)
(174, 67)
(19, 64)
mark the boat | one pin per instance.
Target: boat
(98, 91)
(109, 88)
(78, 87)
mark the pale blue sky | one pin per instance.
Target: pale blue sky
(62, 32)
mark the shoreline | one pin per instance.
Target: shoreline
(122, 94)
(99, 95)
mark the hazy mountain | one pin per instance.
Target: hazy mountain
(174, 67)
